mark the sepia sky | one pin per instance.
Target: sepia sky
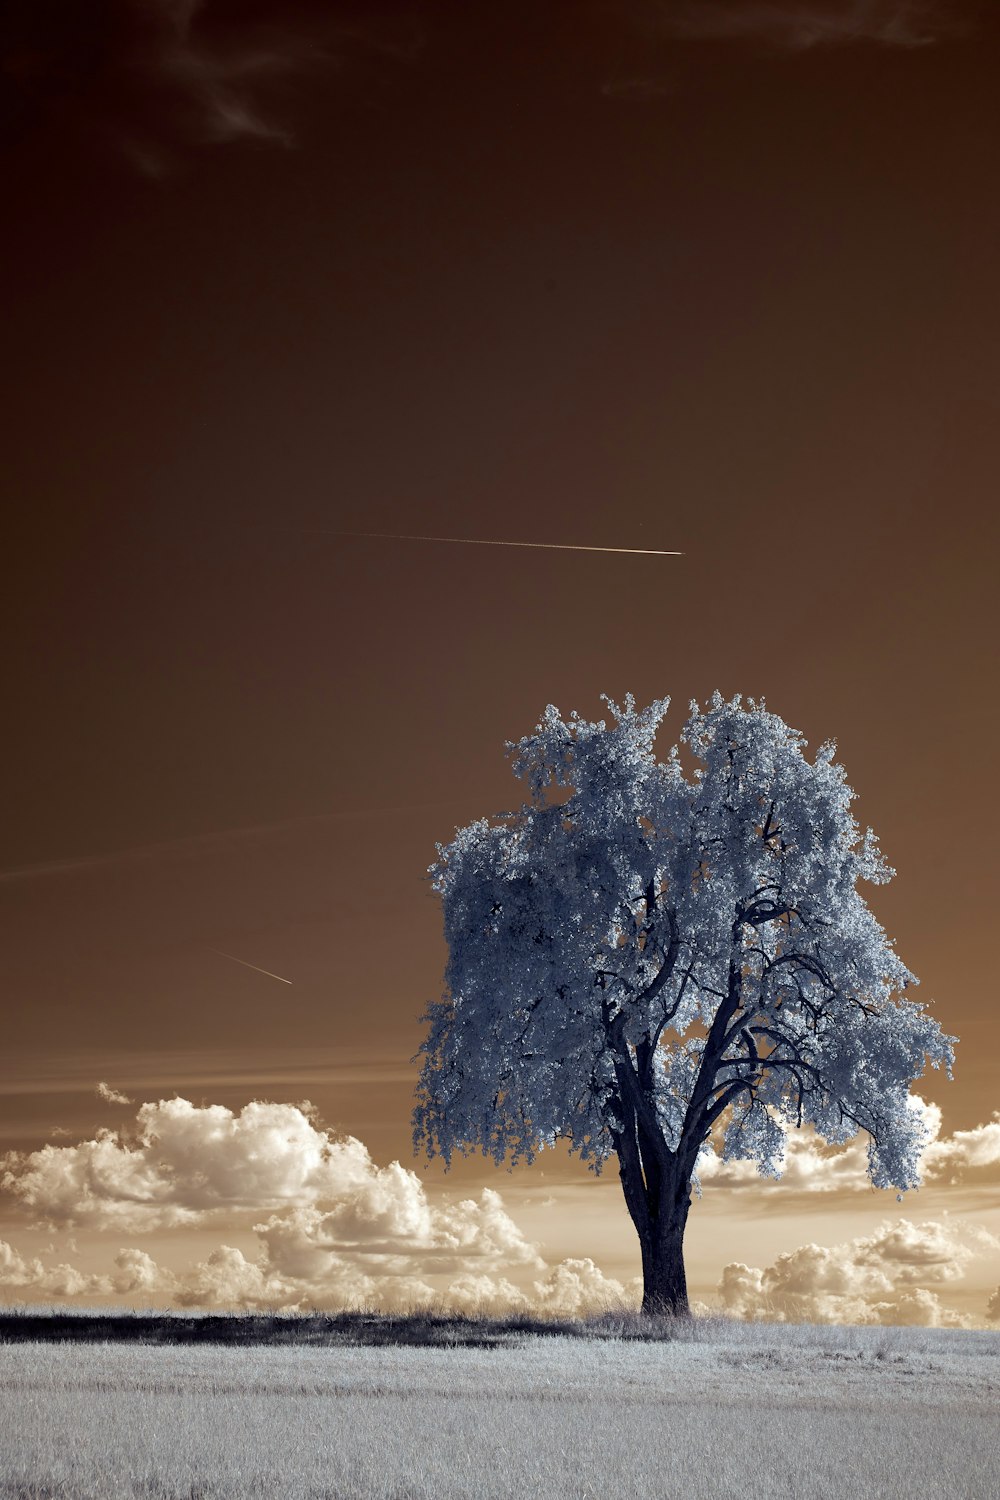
(709, 277)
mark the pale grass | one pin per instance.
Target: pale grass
(724, 1410)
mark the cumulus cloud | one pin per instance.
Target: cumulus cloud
(275, 1280)
(576, 1287)
(955, 1157)
(31, 1279)
(810, 1166)
(339, 1228)
(797, 25)
(332, 1229)
(807, 1166)
(184, 1163)
(388, 1221)
(112, 1096)
(884, 1277)
(133, 1271)
(228, 1278)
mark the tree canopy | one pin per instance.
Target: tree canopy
(642, 955)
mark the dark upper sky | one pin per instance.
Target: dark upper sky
(704, 276)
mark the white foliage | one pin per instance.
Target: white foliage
(968, 1156)
(699, 940)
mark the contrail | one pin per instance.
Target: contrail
(476, 541)
(247, 965)
(178, 847)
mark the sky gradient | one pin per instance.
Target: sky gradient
(709, 278)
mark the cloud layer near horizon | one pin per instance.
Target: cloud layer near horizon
(883, 1277)
(334, 1230)
(339, 1232)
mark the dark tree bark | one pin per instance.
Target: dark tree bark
(664, 1283)
(656, 1181)
(658, 1195)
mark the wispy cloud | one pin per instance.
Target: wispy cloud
(635, 89)
(155, 76)
(288, 1069)
(798, 25)
(112, 1096)
(195, 845)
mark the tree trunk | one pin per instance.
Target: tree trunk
(664, 1284)
(658, 1201)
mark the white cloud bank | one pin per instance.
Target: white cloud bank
(338, 1230)
(884, 1277)
(185, 1164)
(229, 1279)
(334, 1230)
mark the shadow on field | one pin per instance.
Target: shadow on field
(358, 1329)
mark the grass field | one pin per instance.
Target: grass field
(720, 1410)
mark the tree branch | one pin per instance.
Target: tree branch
(724, 1099)
(695, 1127)
(669, 1013)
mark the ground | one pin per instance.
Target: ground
(722, 1409)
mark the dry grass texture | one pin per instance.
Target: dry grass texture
(718, 1409)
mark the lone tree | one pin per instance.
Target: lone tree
(642, 959)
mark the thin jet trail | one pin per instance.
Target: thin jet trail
(476, 541)
(247, 965)
(209, 841)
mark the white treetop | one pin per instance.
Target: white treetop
(662, 951)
